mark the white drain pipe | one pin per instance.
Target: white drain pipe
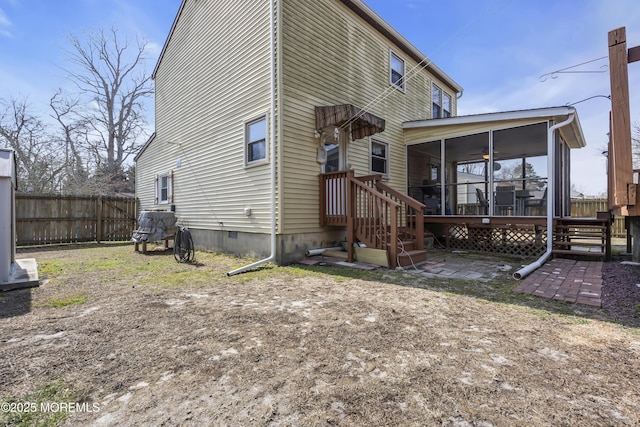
(272, 140)
(551, 168)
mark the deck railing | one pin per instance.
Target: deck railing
(375, 220)
(411, 216)
(374, 213)
(334, 198)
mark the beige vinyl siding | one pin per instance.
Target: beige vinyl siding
(214, 75)
(150, 164)
(432, 133)
(332, 56)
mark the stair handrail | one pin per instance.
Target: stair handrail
(417, 230)
(358, 226)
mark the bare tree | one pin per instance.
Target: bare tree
(73, 131)
(113, 84)
(40, 166)
(514, 173)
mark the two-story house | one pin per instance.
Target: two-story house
(255, 99)
(285, 125)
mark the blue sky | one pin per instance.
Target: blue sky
(495, 49)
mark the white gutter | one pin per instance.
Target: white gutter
(272, 140)
(551, 163)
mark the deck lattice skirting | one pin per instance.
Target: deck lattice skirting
(519, 241)
(571, 236)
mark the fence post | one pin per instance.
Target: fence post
(99, 219)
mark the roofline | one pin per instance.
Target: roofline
(536, 113)
(166, 42)
(577, 127)
(373, 19)
(144, 147)
(551, 113)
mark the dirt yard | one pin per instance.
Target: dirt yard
(132, 339)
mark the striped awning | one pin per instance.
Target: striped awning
(362, 123)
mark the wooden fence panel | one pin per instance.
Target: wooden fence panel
(118, 218)
(49, 219)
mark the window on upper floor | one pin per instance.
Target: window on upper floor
(379, 157)
(255, 135)
(440, 103)
(397, 71)
(446, 105)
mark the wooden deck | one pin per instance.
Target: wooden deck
(524, 237)
(383, 218)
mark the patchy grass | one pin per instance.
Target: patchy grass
(39, 408)
(65, 301)
(307, 345)
(499, 290)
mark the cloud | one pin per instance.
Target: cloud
(4, 24)
(153, 48)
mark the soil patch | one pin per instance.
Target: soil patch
(143, 340)
(621, 292)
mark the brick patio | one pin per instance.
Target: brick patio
(566, 280)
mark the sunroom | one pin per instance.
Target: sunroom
(494, 182)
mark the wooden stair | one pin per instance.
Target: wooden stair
(408, 254)
(375, 214)
(581, 237)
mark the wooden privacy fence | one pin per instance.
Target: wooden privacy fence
(49, 219)
(587, 208)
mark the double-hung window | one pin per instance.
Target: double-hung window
(164, 188)
(255, 134)
(440, 103)
(446, 105)
(397, 72)
(379, 157)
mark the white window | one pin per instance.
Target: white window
(379, 157)
(397, 76)
(164, 188)
(255, 136)
(440, 103)
(446, 105)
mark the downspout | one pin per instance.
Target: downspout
(551, 167)
(272, 140)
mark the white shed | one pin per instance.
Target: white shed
(14, 273)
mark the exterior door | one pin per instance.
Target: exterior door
(336, 152)
(336, 190)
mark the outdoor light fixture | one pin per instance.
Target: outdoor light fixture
(316, 133)
(485, 156)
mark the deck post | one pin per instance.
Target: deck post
(620, 140)
(351, 209)
(634, 221)
(393, 244)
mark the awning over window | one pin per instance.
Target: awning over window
(362, 123)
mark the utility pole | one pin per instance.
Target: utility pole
(622, 194)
